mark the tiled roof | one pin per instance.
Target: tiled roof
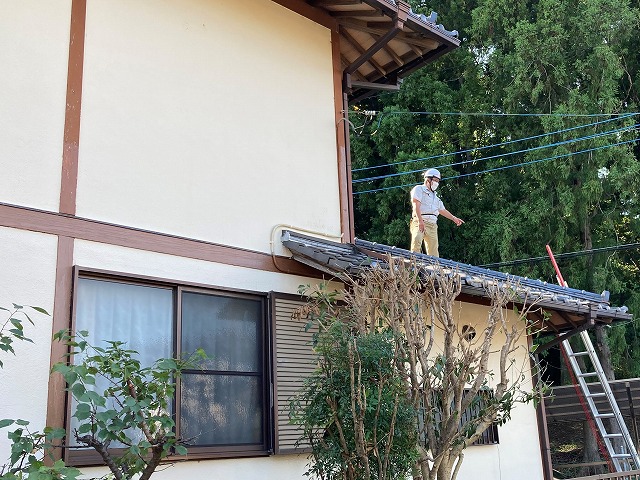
(572, 306)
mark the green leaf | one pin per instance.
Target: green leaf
(6, 422)
(181, 450)
(78, 390)
(40, 309)
(84, 428)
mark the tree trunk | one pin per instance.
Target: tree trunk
(445, 470)
(590, 452)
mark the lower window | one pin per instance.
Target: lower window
(222, 407)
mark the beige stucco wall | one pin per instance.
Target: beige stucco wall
(142, 263)
(517, 456)
(208, 119)
(34, 47)
(27, 277)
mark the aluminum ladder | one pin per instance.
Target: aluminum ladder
(626, 458)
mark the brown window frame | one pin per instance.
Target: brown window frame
(489, 436)
(88, 457)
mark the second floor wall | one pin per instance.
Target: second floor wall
(205, 119)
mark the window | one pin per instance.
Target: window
(223, 405)
(488, 437)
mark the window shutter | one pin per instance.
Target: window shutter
(294, 360)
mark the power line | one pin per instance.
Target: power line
(493, 114)
(496, 144)
(505, 167)
(506, 154)
(580, 253)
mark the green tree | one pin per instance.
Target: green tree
(128, 422)
(123, 408)
(354, 410)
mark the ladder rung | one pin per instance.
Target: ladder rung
(612, 435)
(621, 455)
(595, 395)
(579, 354)
(588, 374)
(605, 415)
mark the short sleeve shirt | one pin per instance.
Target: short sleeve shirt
(430, 204)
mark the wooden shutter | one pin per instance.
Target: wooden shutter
(294, 360)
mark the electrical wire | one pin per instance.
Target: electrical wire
(495, 145)
(498, 114)
(499, 155)
(579, 253)
(505, 167)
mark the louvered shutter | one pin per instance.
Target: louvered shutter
(294, 360)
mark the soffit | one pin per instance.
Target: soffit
(361, 23)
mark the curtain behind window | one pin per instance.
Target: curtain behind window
(140, 316)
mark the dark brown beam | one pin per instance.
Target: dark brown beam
(376, 86)
(398, 24)
(396, 58)
(561, 338)
(361, 50)
(330, 3)
(567, 319)
(357, 13)
(54, 223)
(71, 136)
(420, 42)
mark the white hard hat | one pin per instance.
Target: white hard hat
(432, 172)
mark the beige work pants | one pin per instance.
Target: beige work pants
(429, 236)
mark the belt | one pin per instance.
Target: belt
(431, 214)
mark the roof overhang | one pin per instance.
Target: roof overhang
(382, 41)
(567, 310)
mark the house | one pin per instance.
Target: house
(152, 155)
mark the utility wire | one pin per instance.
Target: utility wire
(580, 253)
(496, 144)
(506, 154)
(505, 167)
(491, 114)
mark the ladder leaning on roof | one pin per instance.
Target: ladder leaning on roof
(625, 457)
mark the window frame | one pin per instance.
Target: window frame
(488, 437)
(88, 457)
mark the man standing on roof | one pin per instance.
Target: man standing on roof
(426, 206)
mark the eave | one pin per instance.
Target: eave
(382, 41)
(566, 310)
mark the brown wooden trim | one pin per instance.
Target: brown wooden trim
(312, 13)
(352, 231)
(81, 228)
(61, 320)
(274, 378)
(71, 140)
(342, 140)
(541, 420)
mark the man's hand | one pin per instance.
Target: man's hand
(420, 224)
(457, 221)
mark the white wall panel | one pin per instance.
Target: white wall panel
(137, 262)
(283, 467)
(34, 50)
(27, 277)
(208, 119)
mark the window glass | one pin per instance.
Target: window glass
(140, 316)
(227, 328)
(221, 409)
